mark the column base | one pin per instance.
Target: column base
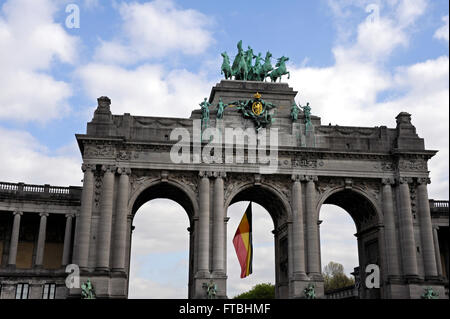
(300, 276)
(102, 269)
(315, 276)
(434, 278)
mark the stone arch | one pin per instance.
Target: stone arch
(169, 189)
(246, 192)
(279, 208)
(368, 218)
(329, 197)
(155, 188)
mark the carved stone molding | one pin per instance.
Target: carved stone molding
(327, 183)
(97, 187)
(123, 155)
(412, 165)
(97, 149)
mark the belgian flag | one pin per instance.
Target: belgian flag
(243, 244)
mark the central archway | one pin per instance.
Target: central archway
(277, 205)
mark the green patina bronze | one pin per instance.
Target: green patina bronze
(307, 112)
(211, 289)
(294, 112)
(256, 109)
(205, 112)
(310, 292)
(226, 69)
(280, 69)
(220, 108)
(429, 294)
(244, 69)
(205, 115)
(87, 290)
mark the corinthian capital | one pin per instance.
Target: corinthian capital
(311, 178)
(423, 180)
(109, 168)
(404, 180)
(387, 181)
(87, 167)
(219, 174)
(123, 171)
(204, 174)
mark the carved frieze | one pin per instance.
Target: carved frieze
(99, 150)
(412, 165)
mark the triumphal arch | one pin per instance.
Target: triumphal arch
(209, 161)
(250, 141)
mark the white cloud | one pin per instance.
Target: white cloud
(146, 90)
(30, 43)
(24, 159)
(349, 91)
(155, 29)
(442, 32)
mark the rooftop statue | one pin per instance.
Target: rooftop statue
(244, 69)
(220, 108)
(280, 69)
(226, 69)
(205, 113)
(307, 113)
(294, 112)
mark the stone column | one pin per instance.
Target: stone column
(437, 250)
(218, 258)
(298, 241)
(41, 240)
(311, 228)
(83, 223)
(390, 237)
(105, 222)
(120, 224)
(67, 240)
(14, 239)
(406, 229)
(426, 230)
(203, 226)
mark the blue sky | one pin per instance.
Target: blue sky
(356, 67)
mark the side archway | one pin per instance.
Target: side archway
(366, 214)
(176, 191)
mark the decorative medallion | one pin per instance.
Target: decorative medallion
(256, 109)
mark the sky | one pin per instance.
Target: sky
(358, 63)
